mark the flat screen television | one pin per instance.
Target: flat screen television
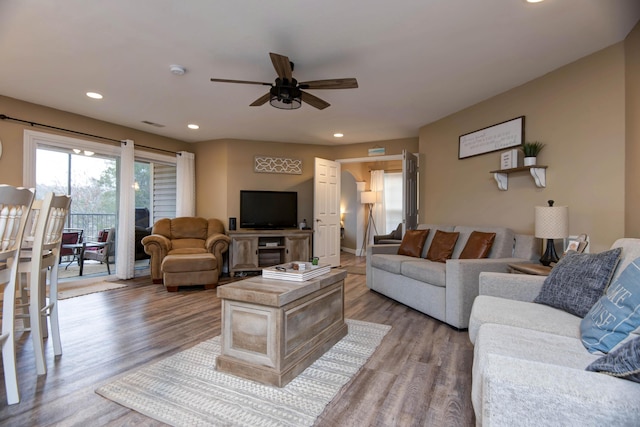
(268, 209)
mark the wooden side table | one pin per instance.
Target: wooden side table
(527, 268)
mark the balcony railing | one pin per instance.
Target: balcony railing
(91, 223)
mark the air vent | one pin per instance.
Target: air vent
(147, 122)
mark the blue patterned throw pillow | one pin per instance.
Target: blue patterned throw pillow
(578, 281)
(623, 362)
(616, 313)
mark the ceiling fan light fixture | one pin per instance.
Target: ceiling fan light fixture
(285, 97)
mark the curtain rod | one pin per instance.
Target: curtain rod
(5, 117)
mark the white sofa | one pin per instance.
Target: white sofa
(529, 363)
(444, 291)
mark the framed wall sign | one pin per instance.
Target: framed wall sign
(493, 138)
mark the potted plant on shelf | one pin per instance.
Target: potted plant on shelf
(531, 150)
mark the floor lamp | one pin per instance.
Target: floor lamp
(368, 198)
(551, 222)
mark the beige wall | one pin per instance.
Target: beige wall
(212, 180)
(632, 157)
(12, 133)
(579, 112)
(229, 163)
(392, 146)
(237, 156)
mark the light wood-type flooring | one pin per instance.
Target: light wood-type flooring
(419, 376)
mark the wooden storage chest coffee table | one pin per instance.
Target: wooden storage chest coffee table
(272, 329)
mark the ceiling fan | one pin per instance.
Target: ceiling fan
(286, 93)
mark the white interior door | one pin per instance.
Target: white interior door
(410, 191)
(326, 212)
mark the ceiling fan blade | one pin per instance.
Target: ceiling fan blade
(314, 101)
(261, 101)
(349, 83)
(282, 65)
(247, 82)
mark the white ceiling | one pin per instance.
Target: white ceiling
(415, 60)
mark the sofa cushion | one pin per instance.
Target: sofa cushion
(389, 262)
(623, 362)
(578, 280)
(177, 244)
(426, 271)
(478, 245)
(532, 378)
(189, 228)
(413, 242)
(616, 313)
(187, 251)
(442, 246)
(527, 315)
(527, 247)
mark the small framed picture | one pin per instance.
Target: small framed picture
(573, 245)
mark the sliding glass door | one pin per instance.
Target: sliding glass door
(90, 180)
(89, 171)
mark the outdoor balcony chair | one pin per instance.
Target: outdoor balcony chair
(70, 236)
(102, 253)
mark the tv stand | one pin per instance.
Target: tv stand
(252, 250)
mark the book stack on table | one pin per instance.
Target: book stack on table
(302, 271)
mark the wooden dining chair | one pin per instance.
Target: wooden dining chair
(40, 255)
(15, 205)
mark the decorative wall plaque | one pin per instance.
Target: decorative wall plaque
(493, 138)
(267, 164)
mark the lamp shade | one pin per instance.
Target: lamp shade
(552, 222)
(368, 197)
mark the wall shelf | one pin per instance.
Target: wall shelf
(538, 173)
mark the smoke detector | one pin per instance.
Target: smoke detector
(178, 70)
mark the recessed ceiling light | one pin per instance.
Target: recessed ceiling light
(94, 95)
(535, 1)
(338, 135)
(193, 126)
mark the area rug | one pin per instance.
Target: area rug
(186, 390)
(89, 268)
(78, 288)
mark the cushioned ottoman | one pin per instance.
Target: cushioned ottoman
(188, 270)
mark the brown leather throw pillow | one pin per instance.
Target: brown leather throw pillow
(413, 242)
(478, 245)
(442, 245)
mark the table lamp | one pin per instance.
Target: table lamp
(551, 222)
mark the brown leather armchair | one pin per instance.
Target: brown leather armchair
(184, 236)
